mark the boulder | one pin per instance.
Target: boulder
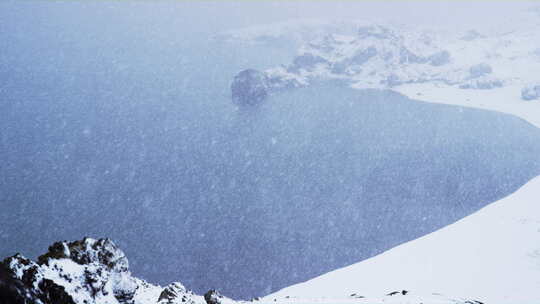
(249, 88)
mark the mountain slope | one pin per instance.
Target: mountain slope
(492, 255)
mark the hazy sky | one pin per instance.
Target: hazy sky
(230, 14)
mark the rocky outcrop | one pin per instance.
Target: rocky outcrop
(85, 271)
(531, 92)
(176, 293)
(249, 88)
(214, 297)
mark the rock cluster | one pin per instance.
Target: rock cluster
(87, 271)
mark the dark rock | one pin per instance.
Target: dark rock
(249, 88)
(393, 293)
(54, 293)
(177, 293)
(213, 297)
(12, 291)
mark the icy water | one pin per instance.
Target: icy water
(129, 133)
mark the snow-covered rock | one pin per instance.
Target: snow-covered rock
(85, 271)
(176, 293)
(214, 297)
(492, 256)
(531, 92)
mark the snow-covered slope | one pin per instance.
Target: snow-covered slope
(93, 271)
(492, 255)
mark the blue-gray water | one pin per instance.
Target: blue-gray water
(122, 127)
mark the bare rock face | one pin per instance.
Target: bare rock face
(249, 88)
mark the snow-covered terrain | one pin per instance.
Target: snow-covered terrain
(93, 271)
(490, 68)
(492, 255)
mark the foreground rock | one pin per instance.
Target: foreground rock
(85, 271)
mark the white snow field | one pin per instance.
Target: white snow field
(492, 256)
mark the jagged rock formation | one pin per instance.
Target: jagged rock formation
(85, 271)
